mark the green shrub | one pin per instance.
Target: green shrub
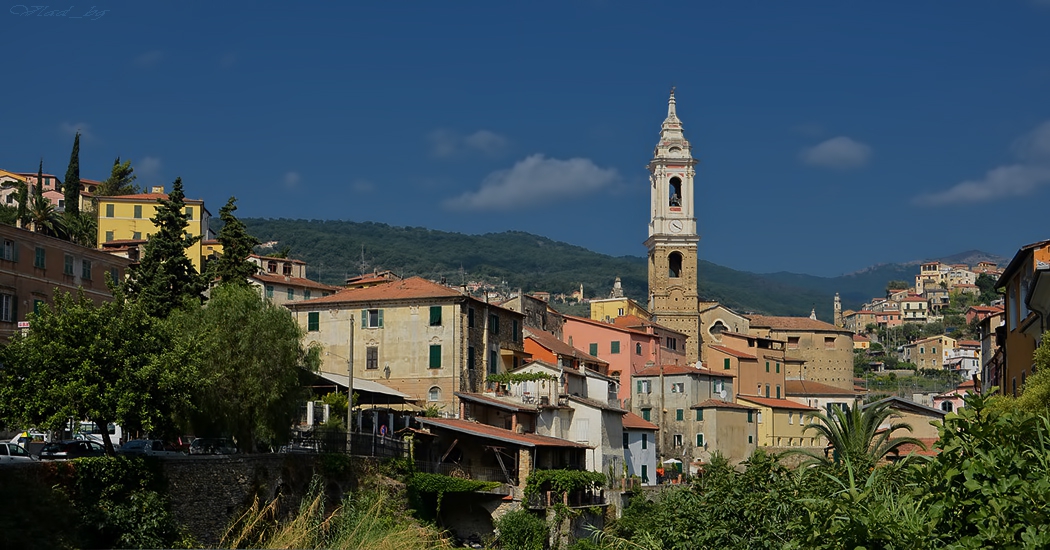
(521, 530)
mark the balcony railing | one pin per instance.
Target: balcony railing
(475, 473)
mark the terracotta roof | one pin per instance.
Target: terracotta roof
(914, 299)
(293, 281)
(148, 197)
(968, 343)
(966, 385)
(604, 324)
(671, 370)
(634, 422)
(808, 387)
(407, 289)
(911, 448)
(989, 309)
(549, 341)
(594, 403)
(719, 404)
(775, 403)
(631, 321)
(733, 352)
(792, 323)
(500, 434)
(860, 338)
(506, 404)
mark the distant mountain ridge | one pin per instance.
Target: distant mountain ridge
(336, 249)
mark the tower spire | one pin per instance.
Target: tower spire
(671, 130)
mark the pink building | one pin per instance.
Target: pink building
(955, 399)
(629, 344)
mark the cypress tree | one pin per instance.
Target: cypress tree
(233, 266)
(40, 179)
(165, 277)
(71, 185)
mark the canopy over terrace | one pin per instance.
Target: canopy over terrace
(369, 392)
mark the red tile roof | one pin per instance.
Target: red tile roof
(634, 422)
(733, 352)
(860, 338)
(550, 342)
(776, 403)
(632, 321)
(407, 289)
(293, 281)
(148, 197)
(791, 323)
(500, 434)
(671, 370)
(719, 404)
(808, 387)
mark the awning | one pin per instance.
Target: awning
(364, 385)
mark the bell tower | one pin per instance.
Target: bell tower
(672, 242)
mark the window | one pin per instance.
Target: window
(647, 414)
(8, 308)
(759, 417)
(679, 414)
(10, 251)
(674, 265)
(138, 211)
(750, 416)
(109, 210)
(593, 349)
(137, 235)
(114, 274)
(637, 349)
(700, 440)
(286, 269)
(614, 346)
(767, 390)
(189, 212)
(493, 362)
(515, 332)
(67, 267)
(313, 321)
(291, 293)
(40, 259)
(435, 316)
(677, 440)
(626, 440)
(109, 236)
(922, 350)
(372, 318)
(645, 441)
(85, 270)
(829, 342)
(674, 192)
(620, 312)
(699, 415)
(750, 439)
(791, 417)
(946, 406)
(269, 291)
(494, 323)
(678, 387)
(778, 391)
(470, 357)
(645, 468)
(792, 342)
(644, 386)
(778, 367)
(672, 343)
(37, 305)
(306, 295)
(725, 363)
(271, 266)
(435, 356)
(720, 386)
(767, 366)
(470, 317)
(434, 394)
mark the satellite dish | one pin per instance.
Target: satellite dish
(722, 394)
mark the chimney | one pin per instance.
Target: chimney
(157, 189)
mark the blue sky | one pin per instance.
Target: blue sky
(831, 135)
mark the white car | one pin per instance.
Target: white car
(13, 452)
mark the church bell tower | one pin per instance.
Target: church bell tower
(672, 242)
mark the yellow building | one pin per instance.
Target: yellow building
(782, 423)
(610, 308)
(126, 218)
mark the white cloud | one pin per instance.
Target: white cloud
(535, 180)
(71, 129)
(292, 179)
(1012, 180)
(448, 143)
(838, 152)
(148, 169)
(149, 59)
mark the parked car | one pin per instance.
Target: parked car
(71, 449)
(148, 447)
(13, 452)
(212, 446)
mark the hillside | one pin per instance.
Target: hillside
(336, 249)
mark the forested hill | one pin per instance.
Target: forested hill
(333, 250)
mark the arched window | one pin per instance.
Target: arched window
(674, 265)
(674, 192)
(717, 328)
(434, 394)
(946, 406)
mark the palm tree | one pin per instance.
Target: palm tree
(855, 434)
(44, 218)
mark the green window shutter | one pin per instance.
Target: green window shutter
(138, 210)
(700, 414)
(37, 304)
(778, 392)
(269, 291)
(646, 414)
(645, 445)
(645, 469)
(594, 349)
(109, 210)
(767, 391)
(435, 356)
(750, 439)
(364, 318)
(626, 440)
(679, 415)
(516, 333)
(614, 347)
(639, 387)
(750, 416)
(725, 363)
(435, 316)
(778, 367)
(109, 236)
(137, 235)
(699, 440)
(41, 258)
(313, 321)
(291, 293)
(767, 366)
(189, 212)
(380, 318)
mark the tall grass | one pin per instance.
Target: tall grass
(372, 520)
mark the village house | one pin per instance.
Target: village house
(1022, 324)
(782, 422)
(821, 396)
(814, 350)
(954, 400)
(283, 280)
(639, 448)
(929, 353)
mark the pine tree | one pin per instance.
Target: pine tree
(233, 266)
(165, 276)
(40, 179)
(71, 185)
(121, 180)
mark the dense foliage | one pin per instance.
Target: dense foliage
(233, 267)
(521, 530)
